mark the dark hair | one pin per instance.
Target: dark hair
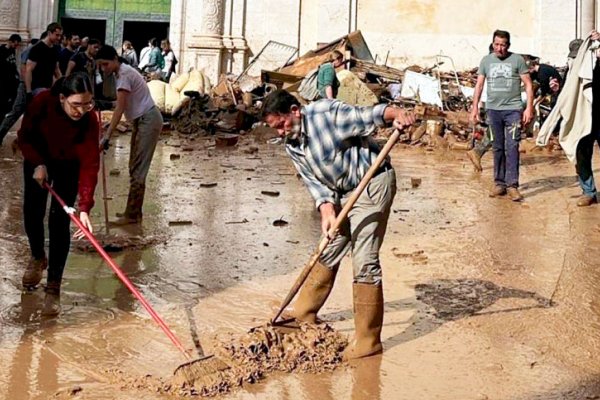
(44, 35)
(278, 102)
(501, 34)
(69, 36)
(76, 83)
(106, 52)
(54, 26)
(34, 41)
(94, 41)
(155, 42)
(15, 38)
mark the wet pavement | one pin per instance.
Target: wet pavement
(468, 280)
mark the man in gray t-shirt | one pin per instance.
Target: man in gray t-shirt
(504, 71)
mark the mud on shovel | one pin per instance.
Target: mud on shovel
(338, 222)
(192, 369)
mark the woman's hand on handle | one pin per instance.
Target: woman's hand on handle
(40, 174)
(85, 220)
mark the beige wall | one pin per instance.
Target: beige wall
(413, 31)
(276, 20)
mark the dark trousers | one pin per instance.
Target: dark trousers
(64, 177)
(18, 109)
(505, 128)
(585, 150)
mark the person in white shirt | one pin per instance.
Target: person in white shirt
(133, 101)
(145, 56)
(170, 60)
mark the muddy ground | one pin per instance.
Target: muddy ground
(467, 280)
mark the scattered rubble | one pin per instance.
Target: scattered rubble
(280, 222)
(438, 94)
(271, 193)
(180, 223)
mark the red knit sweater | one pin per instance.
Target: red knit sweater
(48, 134)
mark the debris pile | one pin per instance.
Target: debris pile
(439, 95)
(250, 357)
(115, 243)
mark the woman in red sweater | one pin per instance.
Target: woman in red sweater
(59, 141)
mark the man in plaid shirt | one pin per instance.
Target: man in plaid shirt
(331, 146)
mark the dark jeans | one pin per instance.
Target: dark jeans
(585, 150)
(506, 134)
(64, 177)
(18, 109)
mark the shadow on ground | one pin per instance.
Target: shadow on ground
(444, 300)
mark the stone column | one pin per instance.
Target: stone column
(9, 18)
(207, 44)
(236, 55)
(586, 18)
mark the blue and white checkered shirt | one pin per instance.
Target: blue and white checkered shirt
(335, 149)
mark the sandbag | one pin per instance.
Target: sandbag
(354, 91)
(180, 81)
(172, 99)
(157, 91)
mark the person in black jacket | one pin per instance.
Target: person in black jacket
(9, 74)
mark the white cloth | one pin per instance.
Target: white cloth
(139, 101)
(574, 105)
(169, 58)
(144, 57)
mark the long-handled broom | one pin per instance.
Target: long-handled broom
(190, 371)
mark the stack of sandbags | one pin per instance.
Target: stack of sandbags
(354, 91)
(170, 97)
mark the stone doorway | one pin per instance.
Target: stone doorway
(139, 32)
(92, 28)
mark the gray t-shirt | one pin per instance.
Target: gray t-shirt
(503, 79)
(139, 101)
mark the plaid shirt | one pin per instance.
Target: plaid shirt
(335, 150)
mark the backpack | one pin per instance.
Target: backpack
(308, 87)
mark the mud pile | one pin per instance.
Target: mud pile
(116, 243)
(250, 357)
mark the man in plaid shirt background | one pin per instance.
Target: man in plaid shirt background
(331, 146)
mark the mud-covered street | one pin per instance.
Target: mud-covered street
(468, 280)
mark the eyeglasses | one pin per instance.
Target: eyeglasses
(83, 107)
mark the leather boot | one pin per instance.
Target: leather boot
(514, 194)
(368, 320)
(497, 191)
(133, 210)
(585, 200)
(33, 272)
(312, 295)
(51, 306)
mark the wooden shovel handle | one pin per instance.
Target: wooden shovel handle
(338, 222)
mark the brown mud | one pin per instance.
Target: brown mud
(248, 358)
(467, 281)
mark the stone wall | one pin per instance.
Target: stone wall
(403, 31)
